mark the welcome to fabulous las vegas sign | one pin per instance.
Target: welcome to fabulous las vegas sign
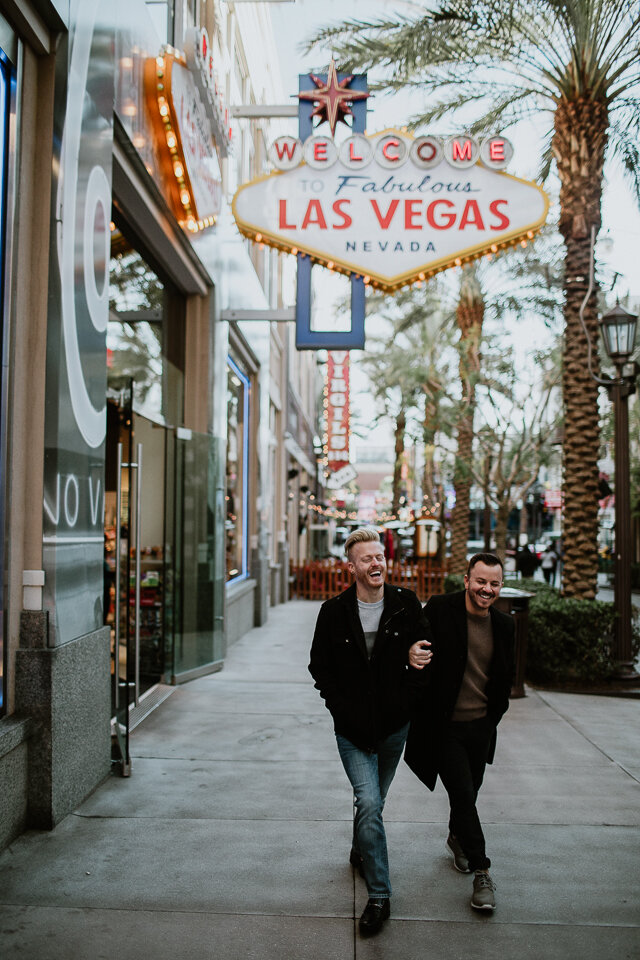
(390, 207)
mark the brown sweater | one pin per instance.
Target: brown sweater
(472, 699)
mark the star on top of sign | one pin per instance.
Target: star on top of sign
(332, 98)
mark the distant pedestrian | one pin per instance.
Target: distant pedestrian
(360, 664)
(526, 561)
(549, 562)
(454, 734)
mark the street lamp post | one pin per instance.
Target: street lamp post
(618, 329)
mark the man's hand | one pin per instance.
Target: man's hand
(420, 654)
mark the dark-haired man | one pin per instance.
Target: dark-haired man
(360, 664)
(454, 736)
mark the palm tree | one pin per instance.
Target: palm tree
(475, 300)
(577, 60)
(424, 323)
(470, 316)
(395, 393)
(523, 284)
(519, 441)
(421, 327)
(520, 287)
(412, 358)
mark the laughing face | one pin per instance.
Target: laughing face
(367, 563)
(483, 586)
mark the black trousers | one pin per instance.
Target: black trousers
(462, 766)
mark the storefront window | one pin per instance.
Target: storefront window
(140, 343)
(145, 409)
(237, 499)
(134, 336)
(194, 593)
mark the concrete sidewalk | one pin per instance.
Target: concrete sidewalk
(231, 838)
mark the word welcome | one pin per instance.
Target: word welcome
(390, 151)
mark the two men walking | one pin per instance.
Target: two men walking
(371, 661)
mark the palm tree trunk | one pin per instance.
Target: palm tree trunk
(579, 144)
(470, 314)
(441, 555)
(581, 436)
(462, 485)
(428, 473)
(401, 423)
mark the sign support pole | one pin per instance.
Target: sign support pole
(306, 338)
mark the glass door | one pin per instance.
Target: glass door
(134, 558)
(145, 335)
(149, 578)
(196, 596)
(120, 538)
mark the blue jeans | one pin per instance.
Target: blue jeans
(370, 775)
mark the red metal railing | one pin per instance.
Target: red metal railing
(321, 579)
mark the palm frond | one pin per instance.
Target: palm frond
(623, 144)
(546, 156)
(573, 47)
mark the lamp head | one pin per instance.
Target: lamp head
(618, 328)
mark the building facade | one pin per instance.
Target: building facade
(154, 452)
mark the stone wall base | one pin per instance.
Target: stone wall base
(65, 693)
(239, 611)
(14, 778)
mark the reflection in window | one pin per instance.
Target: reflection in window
(237, 499)
(135, 331)
(134, 350)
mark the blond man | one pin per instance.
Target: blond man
(360, 664)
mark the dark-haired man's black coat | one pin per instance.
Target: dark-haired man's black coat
(369, 699)
(447, 617)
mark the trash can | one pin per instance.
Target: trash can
(516, 603)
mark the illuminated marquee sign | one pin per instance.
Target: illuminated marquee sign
(390, 208)
(184, 138)
(200, 60)
(337, 411)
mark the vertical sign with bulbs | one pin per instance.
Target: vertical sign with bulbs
(337, 412)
